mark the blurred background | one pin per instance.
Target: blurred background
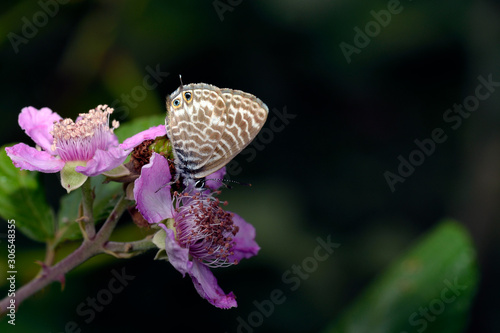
(347, 98)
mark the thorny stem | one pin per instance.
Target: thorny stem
(90, 247)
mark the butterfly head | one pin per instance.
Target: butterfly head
(177, 99)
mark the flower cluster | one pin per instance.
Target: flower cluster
(194, 233)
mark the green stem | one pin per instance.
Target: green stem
(50, 253)
(88, 211)
(133, 248)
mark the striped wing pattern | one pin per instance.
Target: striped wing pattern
(210, 128)
(246, 114)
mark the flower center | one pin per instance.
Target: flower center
(78, 141)
(205, 229)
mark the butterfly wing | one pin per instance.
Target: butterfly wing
(246, 114)
(195, 128)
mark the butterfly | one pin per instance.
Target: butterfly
(208, 126)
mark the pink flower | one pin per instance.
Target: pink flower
(198, 233)
(81, 149)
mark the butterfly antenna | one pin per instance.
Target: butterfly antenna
(180, 79)
(162, 187)
(169, 183)
(224, 181)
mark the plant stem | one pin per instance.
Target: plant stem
(50, 253)
(130, 247)
(110, 223)
(50, 274)
(89, 248)
(88, 211)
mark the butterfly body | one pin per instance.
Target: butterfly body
(209, 126)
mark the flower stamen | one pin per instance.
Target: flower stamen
(205, 229)
(78, 141)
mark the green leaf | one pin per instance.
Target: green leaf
(430, 288)
(22, 198)
(137, 125)
(106, 196)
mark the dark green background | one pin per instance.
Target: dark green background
(322, 174)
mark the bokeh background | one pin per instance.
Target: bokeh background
(321, 174)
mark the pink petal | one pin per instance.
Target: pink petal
(103, 161)
(28, 158)
(153, 199)
(148, 134)
(206, 285)
(113, 140)
(38, 124)
(245, 244)
(177, 256)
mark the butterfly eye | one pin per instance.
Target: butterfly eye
(200, 183)
(176, 103)
(187, 96)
